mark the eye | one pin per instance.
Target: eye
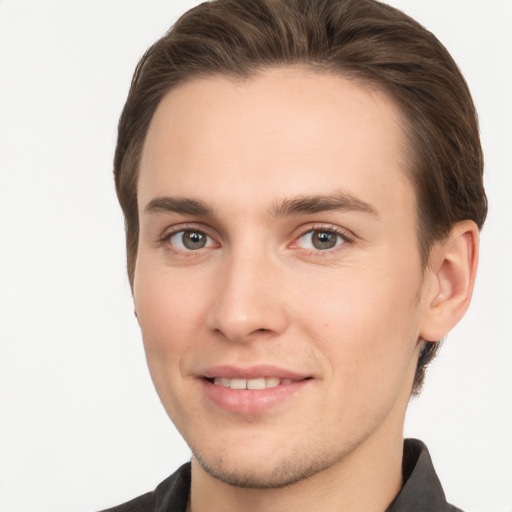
(320, 240)
(190, 240)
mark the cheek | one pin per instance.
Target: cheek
(167, 313)
(367, 319)
(359, 301)
(367, 335)
(169, 318)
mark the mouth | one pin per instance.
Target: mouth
(255, 390)
(254, 383)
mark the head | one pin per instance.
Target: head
(367, 46)
(366, 41)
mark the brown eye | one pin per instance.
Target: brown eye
(320, 240)
(190, 240)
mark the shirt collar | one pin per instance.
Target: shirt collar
(422, 489)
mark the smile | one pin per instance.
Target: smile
(256, 383)
(255, 390)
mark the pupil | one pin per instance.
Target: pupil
(194, 240)
(324, 240)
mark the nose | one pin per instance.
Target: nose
(248, 300)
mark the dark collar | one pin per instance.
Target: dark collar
(422, 489)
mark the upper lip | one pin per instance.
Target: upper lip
(252, 372)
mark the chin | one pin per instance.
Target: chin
(265, 473)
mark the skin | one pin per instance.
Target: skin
(351, 317)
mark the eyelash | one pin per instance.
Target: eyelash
(165, 240)
(343, 238)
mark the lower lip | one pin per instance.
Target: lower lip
(252, 401)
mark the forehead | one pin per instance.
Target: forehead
(286, 131)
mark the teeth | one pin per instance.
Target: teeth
(272, 382)
(238, 384)
(258, 383)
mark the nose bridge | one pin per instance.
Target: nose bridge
(248, 298)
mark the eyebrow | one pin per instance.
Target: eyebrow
(296, 206)
(184, 206)
(318, 203)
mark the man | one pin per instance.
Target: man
(302, 188)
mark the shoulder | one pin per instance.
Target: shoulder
(170, 495)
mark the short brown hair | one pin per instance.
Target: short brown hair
(365, 40)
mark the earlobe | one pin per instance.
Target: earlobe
(452, 269)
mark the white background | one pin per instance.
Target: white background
(81, 427)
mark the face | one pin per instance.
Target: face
(278, 283)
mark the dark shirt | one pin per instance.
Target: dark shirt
(421, 491)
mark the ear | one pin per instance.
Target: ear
(450, 281)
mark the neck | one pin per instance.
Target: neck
(366, 480)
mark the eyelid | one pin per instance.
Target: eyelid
(178, 228)
(344, 233)
(169, 232)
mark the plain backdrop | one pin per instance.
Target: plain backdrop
(80, 424)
